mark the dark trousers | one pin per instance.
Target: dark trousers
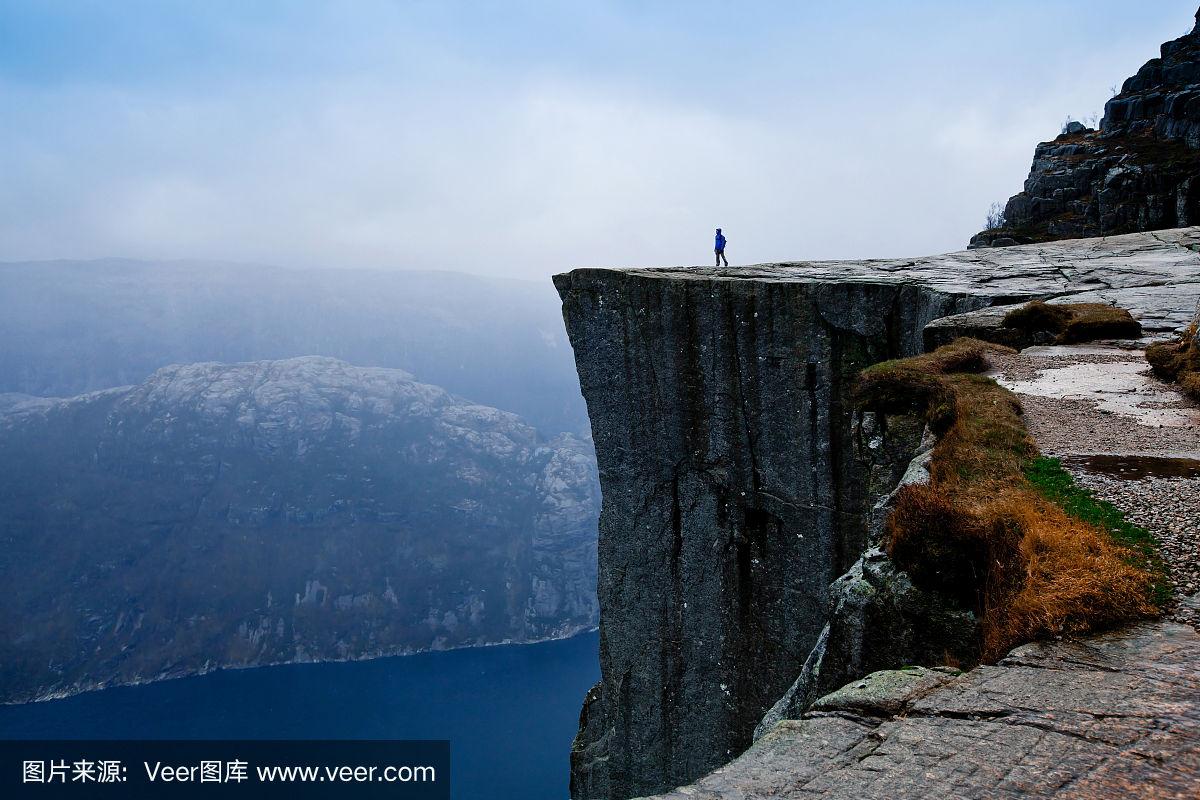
(721, 257)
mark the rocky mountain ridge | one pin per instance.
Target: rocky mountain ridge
(77, 326)
(306, 509)
(1140, 171)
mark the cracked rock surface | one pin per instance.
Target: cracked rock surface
(1146, 265)
(1115, 716)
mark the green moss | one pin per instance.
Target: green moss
(1056, 484)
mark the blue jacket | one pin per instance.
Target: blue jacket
(720, 242)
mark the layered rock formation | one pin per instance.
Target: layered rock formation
(738, 485)
(1140, 171)
(294, 510)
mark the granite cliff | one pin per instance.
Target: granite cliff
(1140, 171)
(742, 493)
(234, 515)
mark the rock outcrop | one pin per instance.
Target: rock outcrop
(738, 484)
(233, 515)
(1140, 171)
(875, 595)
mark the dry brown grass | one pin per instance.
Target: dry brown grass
(918, 384)
(980, 532)
(1074, 322)
(1076, 578)
(1178, 361)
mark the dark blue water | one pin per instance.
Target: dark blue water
(509, 712)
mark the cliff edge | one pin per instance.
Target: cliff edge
(739, 484)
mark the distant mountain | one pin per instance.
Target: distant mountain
(77, 326)
(242, 514)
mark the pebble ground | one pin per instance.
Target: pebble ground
(1168, 507)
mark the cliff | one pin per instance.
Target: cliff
(1140, 171)
(241, 514)
(739, 486)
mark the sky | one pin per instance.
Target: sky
(527, 138)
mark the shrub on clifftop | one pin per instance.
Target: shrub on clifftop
(1074, 322)
(980, 531)
(1179, 361)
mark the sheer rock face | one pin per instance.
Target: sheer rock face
(1111, 717)
(877, 618)
(738, 484)
(729, 468)
(306, 509)
(1139, 172)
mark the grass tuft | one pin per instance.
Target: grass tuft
(1074, 322)
(1056, 484)
(917, 385)
(998, 528)
(1076, 579)
(1178, 361)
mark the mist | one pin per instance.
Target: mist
(525, 139)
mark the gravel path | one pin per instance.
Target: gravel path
(1091, 400)
(1170, 509)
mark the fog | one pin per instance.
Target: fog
(524, 139)
(72, 327)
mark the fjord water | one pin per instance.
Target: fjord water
(509, 711)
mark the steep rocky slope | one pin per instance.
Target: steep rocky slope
(303, 509)
(738, 484)
(1140, 171)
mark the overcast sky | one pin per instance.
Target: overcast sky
(523, 139)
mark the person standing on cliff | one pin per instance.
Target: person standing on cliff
(720, 248)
